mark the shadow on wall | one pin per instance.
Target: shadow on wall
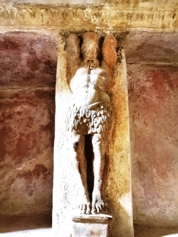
(17, 223)
(143, 231)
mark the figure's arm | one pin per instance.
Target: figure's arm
(78, 80)
(73, 84)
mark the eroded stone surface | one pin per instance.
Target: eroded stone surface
(113, 17)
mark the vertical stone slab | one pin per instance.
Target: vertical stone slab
(118, 187)
(119, 190)
(64, 185)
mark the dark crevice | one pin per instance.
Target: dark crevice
(88, 150)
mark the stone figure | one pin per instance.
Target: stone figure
(89, 112)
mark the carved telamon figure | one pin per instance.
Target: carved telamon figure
(89, 113)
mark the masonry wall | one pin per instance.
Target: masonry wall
(153, 101)
(27, 81)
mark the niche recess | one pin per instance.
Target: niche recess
(27, 88)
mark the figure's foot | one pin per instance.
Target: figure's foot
(98, 205)
(84, 206)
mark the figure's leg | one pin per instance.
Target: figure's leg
(98, 205)
(80, 166)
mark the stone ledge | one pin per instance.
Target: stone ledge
(107, 18)
(101, 218)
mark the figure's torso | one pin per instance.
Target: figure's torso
(89, 88)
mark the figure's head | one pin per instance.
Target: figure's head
(90, 48)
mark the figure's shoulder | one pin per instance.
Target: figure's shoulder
(99, 71)
(81, 70)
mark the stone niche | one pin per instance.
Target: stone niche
(66, 188)
(27, 89)
(28, 76)
(153, 104)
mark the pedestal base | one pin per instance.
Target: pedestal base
(91, 225)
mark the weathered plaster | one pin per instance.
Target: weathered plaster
(154, 115)
(153, 101)
(145, 47)
(27, 79)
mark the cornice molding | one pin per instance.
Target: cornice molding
(90, 18)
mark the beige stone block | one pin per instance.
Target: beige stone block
(118, 182)
(109, 17)
(91, 225)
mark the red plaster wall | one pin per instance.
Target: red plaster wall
(153, 103)
(27, 81)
